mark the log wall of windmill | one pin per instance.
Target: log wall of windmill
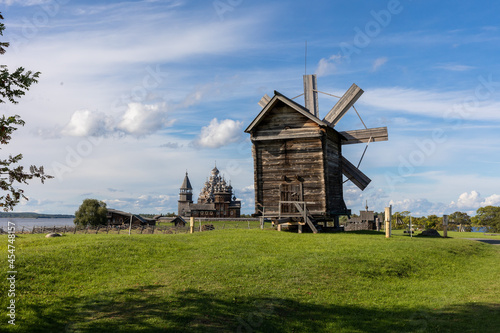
(287, 144)
(333, 173)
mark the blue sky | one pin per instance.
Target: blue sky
(134, 93)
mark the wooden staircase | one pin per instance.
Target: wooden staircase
(302, 213)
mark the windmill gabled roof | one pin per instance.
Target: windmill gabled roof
(278, 97)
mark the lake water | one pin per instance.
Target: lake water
(29, 223)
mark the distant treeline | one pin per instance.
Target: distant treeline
(34, 216)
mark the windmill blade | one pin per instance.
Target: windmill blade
(343, 105)
(354, 174)
(311, 94)
(264, 100)
(364, 135)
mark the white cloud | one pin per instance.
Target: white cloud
(328, 66)
(218, 134)
(455, 67)
(473, 201)
(468, 200)
(492, 200)
(379, 62)
(140, 119)
(24, 3)
(86, 123)
(418, 207)
(444, 105)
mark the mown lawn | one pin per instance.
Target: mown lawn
(242, 280)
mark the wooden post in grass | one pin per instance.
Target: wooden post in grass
(445, 226)
(388, 213)
(191, 225)
(130, 225)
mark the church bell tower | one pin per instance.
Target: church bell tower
(185, 197)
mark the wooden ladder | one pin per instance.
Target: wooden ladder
(306, 216)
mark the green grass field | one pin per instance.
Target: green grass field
(241, 280)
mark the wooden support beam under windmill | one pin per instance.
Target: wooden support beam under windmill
(365, 135)
(343, 105)
(354, 174)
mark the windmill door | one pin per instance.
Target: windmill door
(290, 192)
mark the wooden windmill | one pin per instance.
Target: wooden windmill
(298, 162)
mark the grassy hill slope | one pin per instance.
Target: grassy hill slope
(254, 281)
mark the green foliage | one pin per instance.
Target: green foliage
(91, 212)
(459, 221)
(433, 221)
(488, 217)
(12, 87)
(400, 220)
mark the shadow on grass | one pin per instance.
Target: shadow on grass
(365, 232)
(143, 309)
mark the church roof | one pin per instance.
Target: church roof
(186, 184)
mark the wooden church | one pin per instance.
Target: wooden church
(298, 162)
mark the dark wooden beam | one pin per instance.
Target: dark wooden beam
(311, 94)
(343, 105)
(363, 135)
(354, 174)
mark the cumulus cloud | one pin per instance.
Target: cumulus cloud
(327, 66)
(218, 134)
(418, 207)
(379, 62)
(86, 123)
(474, 200)
(138, 120)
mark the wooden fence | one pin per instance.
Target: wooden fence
(138, 229)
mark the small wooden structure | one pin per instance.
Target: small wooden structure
(298, 158)
(365, 221)
(117, 217)
(177, 221)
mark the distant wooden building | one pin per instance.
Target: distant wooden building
(117, 217)
(216, 199)
(365, 221)
(177, 221)
(298, 157)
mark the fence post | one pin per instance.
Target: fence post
(388, 213)
(191, 225)
(445, 226)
